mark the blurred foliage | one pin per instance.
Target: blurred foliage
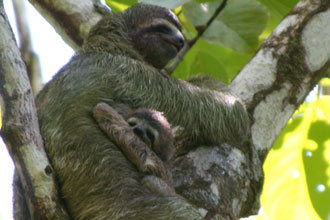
(238, 26)
(297, 169)
(277, 10)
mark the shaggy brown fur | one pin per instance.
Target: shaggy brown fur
(96, 180)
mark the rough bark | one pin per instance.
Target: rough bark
(287, 66)
(20, 129)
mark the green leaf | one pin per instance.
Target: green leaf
(238, 26)
(184, 70)
(124, 2)
(166, 3)
(318, 159)
(118, 6)
(227, 62)
(207, 63)
(197, 14)
(297, 177)
(278, 9)
(204, 1)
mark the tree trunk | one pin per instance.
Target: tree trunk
(20, 130)
(287, 66)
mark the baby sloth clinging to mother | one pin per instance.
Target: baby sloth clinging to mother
(146, 139)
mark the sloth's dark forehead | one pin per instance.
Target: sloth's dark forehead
(154, 12)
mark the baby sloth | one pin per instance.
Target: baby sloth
(154, 130)
(146, 140)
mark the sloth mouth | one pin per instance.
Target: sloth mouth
(174, 46)
(177, 45)
(175, 41)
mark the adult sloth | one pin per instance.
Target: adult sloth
(120, 64)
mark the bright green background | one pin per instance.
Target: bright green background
(297, 169)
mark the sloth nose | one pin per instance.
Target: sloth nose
(178, 40)
(139, 131)
(175, 38)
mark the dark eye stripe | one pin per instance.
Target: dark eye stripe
(160, 28)
(151, 136)
(131, 124)
(177, 24)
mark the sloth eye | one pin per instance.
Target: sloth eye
(161, 28)
(132, 121)
(131, 124)
(151, 136)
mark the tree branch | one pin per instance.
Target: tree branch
(20, 130)
(30, 58)
(288, 65)
(71, 19)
